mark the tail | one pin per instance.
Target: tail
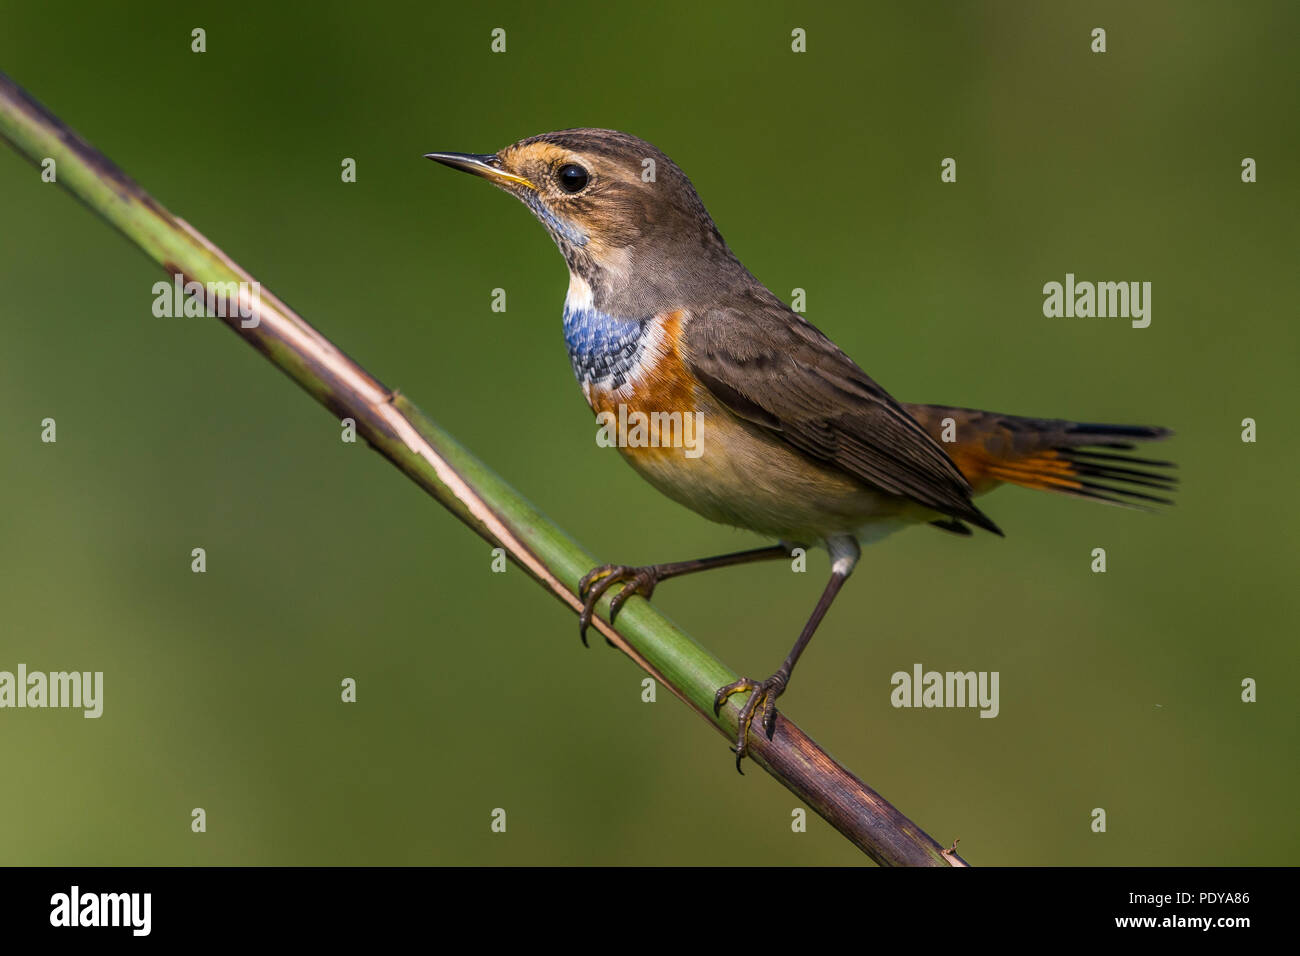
(1086, 461)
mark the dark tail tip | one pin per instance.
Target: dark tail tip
(981, 520)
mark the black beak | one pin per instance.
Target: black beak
(487, 165)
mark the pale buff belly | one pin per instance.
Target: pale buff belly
(745, 477)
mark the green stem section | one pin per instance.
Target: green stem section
(451, 474)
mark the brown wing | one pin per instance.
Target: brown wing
(771, 367)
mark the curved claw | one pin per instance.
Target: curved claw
(642, 582)
(600, 579)
(591, 588)
(761, 702)
(599, 571)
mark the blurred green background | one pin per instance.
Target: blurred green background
(1119, 691)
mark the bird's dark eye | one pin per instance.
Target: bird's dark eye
(573, 178)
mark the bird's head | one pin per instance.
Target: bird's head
(626, 218)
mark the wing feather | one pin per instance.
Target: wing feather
(771, 367)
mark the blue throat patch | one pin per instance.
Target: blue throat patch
(602, 348)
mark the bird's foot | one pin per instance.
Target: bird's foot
(761, 704)
(600, 579)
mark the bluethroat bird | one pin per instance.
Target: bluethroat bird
(798, 443)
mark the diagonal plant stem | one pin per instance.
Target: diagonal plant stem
(436, 462)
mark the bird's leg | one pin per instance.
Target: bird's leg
(642, 581)
(763, 694)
